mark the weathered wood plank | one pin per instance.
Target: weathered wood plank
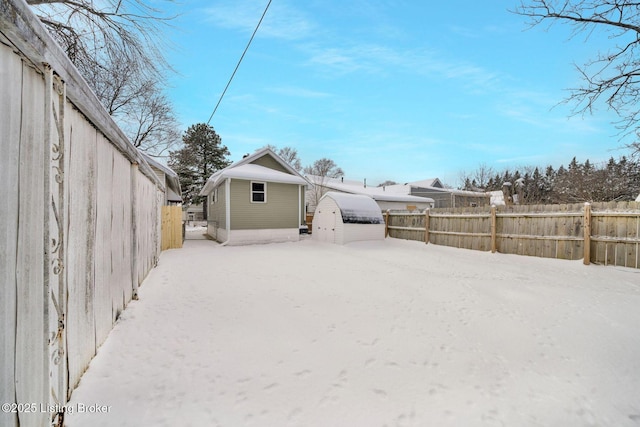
(80, 247)
(106, 237)
(9, 176)
(31, 369)
(79, 206)
(121, 257)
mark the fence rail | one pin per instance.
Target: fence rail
(603, 233)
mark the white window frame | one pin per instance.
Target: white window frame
(252, 192)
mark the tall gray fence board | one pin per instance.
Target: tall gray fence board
(11, 70)
(80, 221)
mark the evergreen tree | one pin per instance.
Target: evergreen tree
(201, 156)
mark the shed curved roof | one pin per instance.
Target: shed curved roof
(356, 208)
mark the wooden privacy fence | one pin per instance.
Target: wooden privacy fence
(171, 227)
(79, 222)
(603, 233)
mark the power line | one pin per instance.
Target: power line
(239, 61)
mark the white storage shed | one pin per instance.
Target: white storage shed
(342, 218)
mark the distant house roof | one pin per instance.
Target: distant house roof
(245, 169)
(357, 187)
(432, 182)
(421, 187)
(638, 198)
(173, 190)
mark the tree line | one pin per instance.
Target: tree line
(615, 180)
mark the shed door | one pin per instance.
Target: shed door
(326, 226)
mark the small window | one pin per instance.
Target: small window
(214, 196)
(258, 192)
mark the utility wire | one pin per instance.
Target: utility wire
(239, 61)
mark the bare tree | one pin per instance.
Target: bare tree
(89, 30)
(117, 46)
(478, 179)
(289, 155)
(150, 123)
(612, 77)
(321, 170)
(325, 168)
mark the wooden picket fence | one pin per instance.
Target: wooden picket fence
(602, 233)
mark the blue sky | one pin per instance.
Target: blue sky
(397, 90)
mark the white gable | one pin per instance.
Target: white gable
(257, 172)
(244, 169)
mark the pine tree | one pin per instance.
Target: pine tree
(201, 156)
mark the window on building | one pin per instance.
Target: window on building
(258, 192)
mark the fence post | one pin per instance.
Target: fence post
(587, 233)
(386, 224)
(493, 229)
(426, 226)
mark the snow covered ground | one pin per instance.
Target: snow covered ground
(389, 333)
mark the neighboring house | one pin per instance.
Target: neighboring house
(386, 200)
(173, 194)
(193, 213)
(342, 218)
(443, 197)
(259, 199)
(638, 198)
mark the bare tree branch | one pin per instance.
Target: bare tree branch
(117, 45)
(612, 77)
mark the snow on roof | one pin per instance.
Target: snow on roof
(356, 208)
(256, 172)
(497, 198)
(244, 169)
(432, 182)
(153, 162)
(402, 192)
(174, 192)
(377, 193)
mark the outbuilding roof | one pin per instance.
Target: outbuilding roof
(244, 169)
(356, 208)
(357, 187)
(173, 190)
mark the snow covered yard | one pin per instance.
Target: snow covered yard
(389, 333)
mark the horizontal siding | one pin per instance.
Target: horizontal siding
(303, 214)
(269, 162)
(217, 211)
(280, 211)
